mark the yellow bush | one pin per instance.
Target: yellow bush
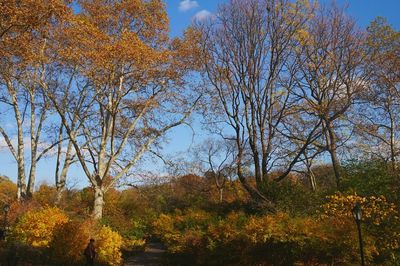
(71, 239)
(376, 209)
(170, 227)
(226, 230)
(163, 225)
(268, 239)
(109, 246)
(36, 228)
(134, 244)
(380, 220)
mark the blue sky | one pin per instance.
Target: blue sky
(181, 14)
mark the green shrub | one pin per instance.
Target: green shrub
(371, 178)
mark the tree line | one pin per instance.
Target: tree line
(281, 86)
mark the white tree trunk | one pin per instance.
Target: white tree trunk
(98, 203)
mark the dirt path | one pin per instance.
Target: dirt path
(152, 255)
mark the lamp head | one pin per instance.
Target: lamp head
(357, 212)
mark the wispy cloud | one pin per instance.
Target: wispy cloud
(27, 145)
(186, 5)
(3, 144)
(202, 15)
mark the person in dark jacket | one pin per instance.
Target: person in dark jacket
(90, 253)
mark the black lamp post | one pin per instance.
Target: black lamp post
(357, 213)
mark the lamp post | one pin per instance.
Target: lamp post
(357, 213)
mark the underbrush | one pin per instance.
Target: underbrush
(197, 237)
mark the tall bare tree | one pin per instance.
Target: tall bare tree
(249, 61)
(331, 74)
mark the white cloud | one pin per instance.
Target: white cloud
(27, 145)
(186, 5)
(202, 15)
(14, 141)
(3, 144)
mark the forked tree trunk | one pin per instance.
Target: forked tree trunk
(61, 179)
(310, 173)
(313, 182)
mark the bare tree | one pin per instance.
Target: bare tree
(249, 62)
(331, 74)
(218, 162)
(377, 115)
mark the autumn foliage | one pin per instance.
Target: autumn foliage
(284, 88)
(37, 227)
(381, 220)
(63, 240)
(281, 239)
(71, 239)
(209, 232)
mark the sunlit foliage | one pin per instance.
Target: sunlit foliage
(37, 227)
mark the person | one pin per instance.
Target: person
(90, 253)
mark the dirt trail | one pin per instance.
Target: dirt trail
(152, 256)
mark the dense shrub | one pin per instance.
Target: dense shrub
(380, 220)
(180, 231)
(371, 178)
(327, 237)
(292, 197)
(134, 237)
(49, 233)
(36, 228)
(45, 195)
(71, 239)
(109, 246)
